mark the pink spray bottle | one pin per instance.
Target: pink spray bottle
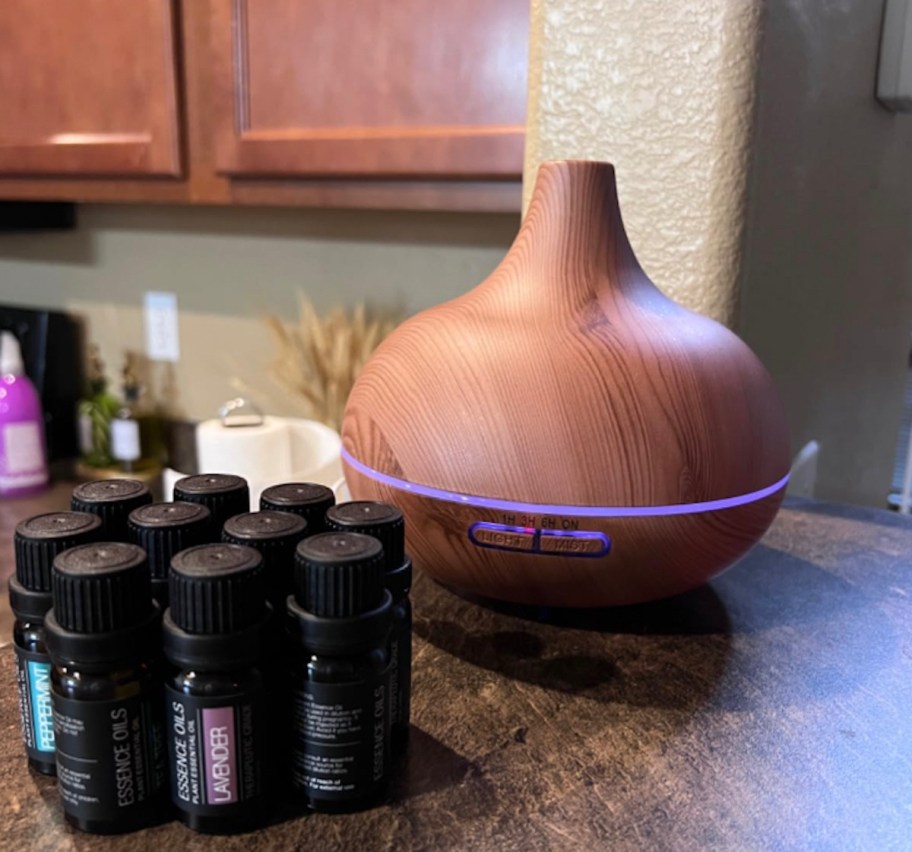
(23, 452)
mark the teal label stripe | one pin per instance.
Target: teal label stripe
(39, 675)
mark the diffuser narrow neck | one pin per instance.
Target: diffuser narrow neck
(573, 237)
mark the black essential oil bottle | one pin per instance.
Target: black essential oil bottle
(338, 622)
(385, 522)
(103, 636)
(112, 500)
(163, 529)
(307, 499)
(215, 713)
(37, 541)
(223, 494)
(274, 535)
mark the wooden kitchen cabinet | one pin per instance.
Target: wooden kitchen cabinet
(412, 104)
(391, 89)
(88, 88)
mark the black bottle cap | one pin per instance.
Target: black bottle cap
(306, 499)
(101, 588)
(216, 588)
(267, 526)
(36, 542)
(339, 575)
(163, 529)
(275, 535)
(381, 520)
(112, 500)
(223, 494)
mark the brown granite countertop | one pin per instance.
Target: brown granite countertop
(769, 709)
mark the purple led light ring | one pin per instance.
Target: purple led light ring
(568, 511)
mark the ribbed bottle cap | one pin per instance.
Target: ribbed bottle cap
(381, 520)
(339, 575)
(274, 535)
(163, 529)
(263, 527)
(102, 587)
(216, 588)
(112, 500)
(307, 499)
(38, 540)
(223, 494)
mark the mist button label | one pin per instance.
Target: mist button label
(574, 543)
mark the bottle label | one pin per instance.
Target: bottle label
(216, 750)
(33, 673)
(110, 755)
(341, 731)
(86, 433)
(22, 463)
(125, 439)
(401, 677)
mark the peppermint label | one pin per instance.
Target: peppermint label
(33, 675)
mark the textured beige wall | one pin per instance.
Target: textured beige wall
(229, 267)
(663, 90)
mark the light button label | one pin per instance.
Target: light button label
(506, 539)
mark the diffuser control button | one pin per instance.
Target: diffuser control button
(574, 543)
(502, 537)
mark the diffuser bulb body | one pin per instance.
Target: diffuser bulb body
(564, 434)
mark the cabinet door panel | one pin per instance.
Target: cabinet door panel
(88, 87)
(389, 88)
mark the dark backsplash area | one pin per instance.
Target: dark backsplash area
(37, 215)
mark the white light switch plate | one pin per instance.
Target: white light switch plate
(162, 339)
(894, 74)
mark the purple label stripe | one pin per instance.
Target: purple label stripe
(219, 757)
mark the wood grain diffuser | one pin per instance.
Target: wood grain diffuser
(564, 434)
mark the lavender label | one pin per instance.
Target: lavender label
(216, 750)
(219, 745)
